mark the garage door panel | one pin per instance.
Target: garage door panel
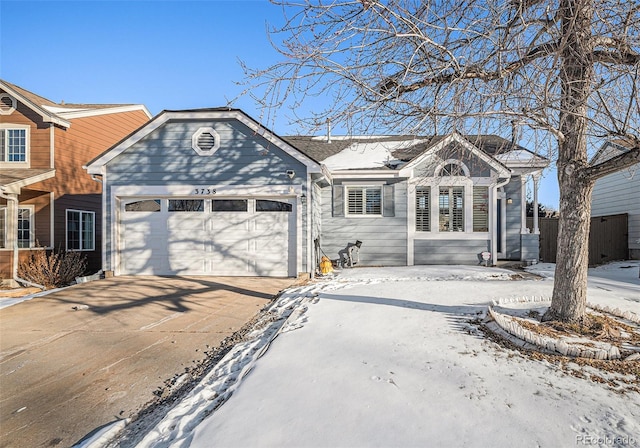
(230, 247)
(179, 249)
(176, 223)
(207, 243)
(231, 266)
(269, 222)
(182, 265)
(144, 243)
(145, 262)
(222, 221)
(230, 234)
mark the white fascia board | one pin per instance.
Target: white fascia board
(164, 117)
(15, 187)
(84, 113)
(530, 166)
(189, 190)
(373, 174)
(47, 117)
(501, 169)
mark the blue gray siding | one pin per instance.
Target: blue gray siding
(165, 157)
(513, 218)
(465, 252)
(384, 239)
(477, 167)
(530, 247)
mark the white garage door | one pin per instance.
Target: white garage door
(207, 237)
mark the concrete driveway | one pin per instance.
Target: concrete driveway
(85, 356)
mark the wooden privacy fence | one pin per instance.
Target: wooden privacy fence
(608, 239)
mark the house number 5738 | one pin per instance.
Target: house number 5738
(204, 191)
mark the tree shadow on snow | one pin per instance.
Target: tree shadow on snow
(458, 316)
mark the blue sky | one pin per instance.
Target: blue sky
(163, 54)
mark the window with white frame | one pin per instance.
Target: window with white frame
(81, 230)
(452, 169)
(25, 227)
(423, 209)
(364, 201)
(451, 209)
(13, 144)
(3, 228)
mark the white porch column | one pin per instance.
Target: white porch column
(523, 204)
(536, 179)
(11, 235)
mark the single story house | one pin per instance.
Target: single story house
(212, 191)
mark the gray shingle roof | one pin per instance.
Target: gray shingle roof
(319, 149)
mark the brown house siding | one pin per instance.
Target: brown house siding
(83, 141)
(41, 217)
(40, 137)
(72, 187)
(82, 202)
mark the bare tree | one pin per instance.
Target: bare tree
(566, 70)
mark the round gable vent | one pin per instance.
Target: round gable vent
(205, 141)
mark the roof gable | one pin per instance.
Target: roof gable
(35, 103)
(609, 150)
(462, 143)
(96, 166)
(62, 114)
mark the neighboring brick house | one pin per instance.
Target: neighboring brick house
(46, 199)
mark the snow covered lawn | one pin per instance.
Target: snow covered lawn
(391, 357)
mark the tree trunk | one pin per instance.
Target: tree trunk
(569, 300)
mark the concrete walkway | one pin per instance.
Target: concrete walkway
(85, 356)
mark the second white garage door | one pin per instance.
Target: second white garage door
(236, 237)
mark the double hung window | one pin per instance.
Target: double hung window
(13, 145)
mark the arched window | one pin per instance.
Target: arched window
(453, 169)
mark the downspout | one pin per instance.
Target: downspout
(14, 269)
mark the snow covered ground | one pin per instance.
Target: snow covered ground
(390, 357)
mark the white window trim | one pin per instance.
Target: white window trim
(66, 229)
(14, 104)
(455, 181)
(31, 209)
(363, 215)
(440, 167)
(27, 154)
(3, 241)
(465, 213)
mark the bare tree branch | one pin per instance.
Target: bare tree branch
(615, 164)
